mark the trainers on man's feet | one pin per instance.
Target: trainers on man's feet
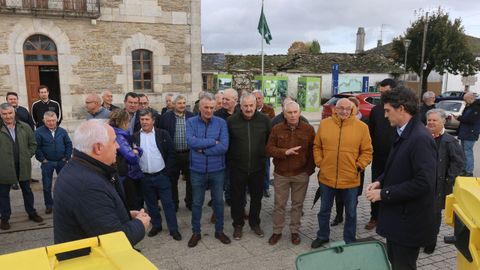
(237, 232)
(318, 243)
(35, 217)
(371, 224)
(223, 238)
(258, 231)
(4, 224)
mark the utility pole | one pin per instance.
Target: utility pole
(423, 55)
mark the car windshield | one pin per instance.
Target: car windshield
(450, 106)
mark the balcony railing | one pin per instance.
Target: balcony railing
(64, 8)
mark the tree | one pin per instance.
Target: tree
(314, 47)
(446, 48)
(297, 47)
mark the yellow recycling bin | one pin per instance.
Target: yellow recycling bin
(462, 212)
(108, 252)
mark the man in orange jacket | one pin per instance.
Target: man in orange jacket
(342, 149)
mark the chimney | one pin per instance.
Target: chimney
(379, 43)
(360, 40)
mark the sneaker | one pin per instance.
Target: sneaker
(4, 224)
(223, 238)
(258, 231)
(295, 237)
(237, 232)
(35, 217)
(371, 224)
(15, 186)
(318, 243)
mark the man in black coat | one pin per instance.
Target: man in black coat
(382, 134)
(428, 103)
(21, 113)
(406, 188)
(88, 200)
(469, 130)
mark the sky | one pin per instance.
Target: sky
(230, 26)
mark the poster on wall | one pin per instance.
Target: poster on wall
(223, 81)
(309, 93)
(348, 83)
(274, 88)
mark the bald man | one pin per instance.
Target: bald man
(94, 107)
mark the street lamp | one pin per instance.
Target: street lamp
(406, 44)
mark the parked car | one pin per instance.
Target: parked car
(367, 101)
(452, 108)
(450, 95)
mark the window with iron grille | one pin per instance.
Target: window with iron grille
(142, 70)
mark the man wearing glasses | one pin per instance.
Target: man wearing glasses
(342, 149)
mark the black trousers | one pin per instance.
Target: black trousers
(239, 180)
(133, 193)
(182, 165)
(401, 257)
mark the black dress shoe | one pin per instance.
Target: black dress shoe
(449, 239)
(154, 231)
(429, 249)
(176, 235)
(336, 221)
(223, 238)
(318, 243)
(4, 224)
(194, 240)
(35, 217)
(15, 186)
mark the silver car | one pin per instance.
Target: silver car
(452, 108)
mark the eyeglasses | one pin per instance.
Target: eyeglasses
(345, 109)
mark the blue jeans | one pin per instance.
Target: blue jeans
(158, 186)
(468, 151)
(5, 208)
(349, 196)
(199, 183)
(47, 176)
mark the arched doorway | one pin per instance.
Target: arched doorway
(41, 67)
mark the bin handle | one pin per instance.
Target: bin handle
(71, 246)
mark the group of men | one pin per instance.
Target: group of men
(227, 150)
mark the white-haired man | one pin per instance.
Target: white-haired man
(93, 106)
(88, 199)
(428, 103)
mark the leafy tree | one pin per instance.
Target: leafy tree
(314, 47)
(446, 48)
(297, 47)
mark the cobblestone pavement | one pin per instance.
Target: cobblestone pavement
(250, 252)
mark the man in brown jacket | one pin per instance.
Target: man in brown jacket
(290, 144)
(342, 149)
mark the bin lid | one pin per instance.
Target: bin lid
(369, 255)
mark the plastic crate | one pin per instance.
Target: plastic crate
(369, 255)
(108, 252)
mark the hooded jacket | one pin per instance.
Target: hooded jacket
(342, 149)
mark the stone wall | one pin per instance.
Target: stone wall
(95, 55)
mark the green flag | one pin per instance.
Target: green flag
(263, 28)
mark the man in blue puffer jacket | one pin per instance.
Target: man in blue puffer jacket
(54, 149)
(207, 138)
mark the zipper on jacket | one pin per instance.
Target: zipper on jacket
(206, 157)
(249, 147)
(338, 152)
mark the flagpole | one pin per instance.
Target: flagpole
(263, 34)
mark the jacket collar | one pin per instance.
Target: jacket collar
(96, 165)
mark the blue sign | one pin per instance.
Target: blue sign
(335, 72)
(365, 84)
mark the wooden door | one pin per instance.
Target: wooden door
(33, 82)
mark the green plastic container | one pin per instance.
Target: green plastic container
(369, 255)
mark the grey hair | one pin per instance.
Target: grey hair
(469, 94)
(247, 95)
(440, 112)
(96, 97)
(232, 91)
(257, 91)
(428, 94)
(208, 96)
(168, 95)
(178, 97)
(292, 103)
(49, 114)
(6, 106)
(90, 133)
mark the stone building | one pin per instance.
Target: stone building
(78, 47)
